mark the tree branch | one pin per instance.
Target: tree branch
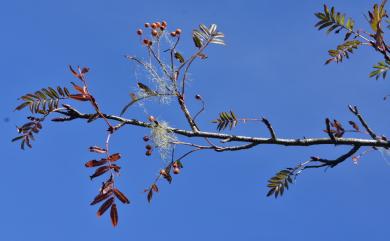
(74, 114)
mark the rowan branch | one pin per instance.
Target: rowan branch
(75, 114)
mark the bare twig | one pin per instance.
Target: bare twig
(356, 112)
(333, 163)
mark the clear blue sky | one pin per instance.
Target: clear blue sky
(272, 66)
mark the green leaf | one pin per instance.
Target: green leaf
(197, 41)
(146, 89)
(179, 57)
(21, 106)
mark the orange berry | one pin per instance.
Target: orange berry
(158, 24)
(146, 41)
(174, 164)
(178, 31)
(139, 31)
(148, 147)
(148, 152)
(154, 25)
(154, 32)
(164, 24)
(173, 34)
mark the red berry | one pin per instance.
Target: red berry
(147, 25)
(146, 138)
(173, 34)
(148, 152)
(178, 31)
(148, 147)
(139, 31)
(164, 24)
(176, 170)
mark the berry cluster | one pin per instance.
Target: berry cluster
(156, 30)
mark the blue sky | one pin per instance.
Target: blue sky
(273, 66)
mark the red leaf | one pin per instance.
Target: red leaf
(114, 215)
(84, 70)
(79, 88)
(114, 167)
(100, 171)
(154, 187)
(121, 196)
(74, 72)
(97, 149)
(114, 157)
(80, 97)
(94, 163)
(150, 195)
(101, 197)
(105, 206)
(354, 125)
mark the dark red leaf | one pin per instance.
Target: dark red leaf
(337, 125)
(150, 195)
(114, 157)
(84, 70)
(74, 72)
(101, 197)
(121, 196)
(94, 163)
(354, 125)
(114, 167)
(154, 187)
(114, 215)
(106, 205)
(97, 149)
(100, 171)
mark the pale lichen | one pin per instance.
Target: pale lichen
(162, 137)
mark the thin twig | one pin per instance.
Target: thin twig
(356, 112)
(333, 163)
(269, 127)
